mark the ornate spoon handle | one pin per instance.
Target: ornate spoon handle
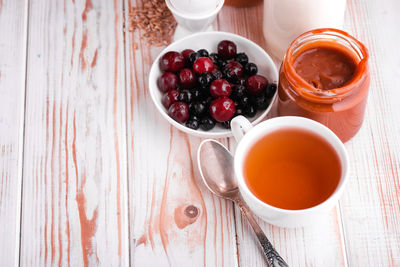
(272, 256)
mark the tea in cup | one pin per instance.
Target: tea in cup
(290, 170)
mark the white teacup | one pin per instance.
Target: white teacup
(247, 135)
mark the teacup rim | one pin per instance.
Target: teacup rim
(343, 156)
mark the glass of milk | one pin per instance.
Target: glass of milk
(193, 15)
(284, 20)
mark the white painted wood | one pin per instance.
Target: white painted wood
(371, 203)
(299, 247)
(74, 209)
(13, 28)
(164, 181)
(82, 123)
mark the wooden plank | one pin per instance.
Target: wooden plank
(371, 202)
(13, 26)
(174, 220)
(302, 246)
(75, 180)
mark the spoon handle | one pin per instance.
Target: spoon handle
(272, 256)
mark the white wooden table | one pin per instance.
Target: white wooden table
(91, 174)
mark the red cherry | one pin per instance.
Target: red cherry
(256, 84)
(170, 97)
(220, 88)
(167, 81)
(186, 53)
(234, 69)
(187, 78)
(179, 111)
(172, 61)
(203, 64)
(222, 109)
(227, 49)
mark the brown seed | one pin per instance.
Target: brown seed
(156, 21)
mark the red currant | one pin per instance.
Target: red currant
(222, 109)
(220, 88)
(179, 111)
(167, 81)
(186, 53)
(172, 61)
(256, 84)
(170, 97)
(227, 49)
(203, 64)
(187, 78)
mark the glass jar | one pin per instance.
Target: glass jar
(340, 109)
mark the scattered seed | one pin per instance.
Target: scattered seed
(154, 22)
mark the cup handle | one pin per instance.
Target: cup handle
(240, 126)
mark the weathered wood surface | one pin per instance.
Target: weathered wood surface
(370, 206)
(107, 181)
(13, 21)
(174, 220)
(74, 204)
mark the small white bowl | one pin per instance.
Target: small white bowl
(209, 41)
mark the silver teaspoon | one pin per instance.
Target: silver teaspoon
(216, 168)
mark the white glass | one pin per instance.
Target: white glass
(284, 20)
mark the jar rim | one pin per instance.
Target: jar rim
(319, 95)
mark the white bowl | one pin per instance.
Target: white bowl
(209, 41)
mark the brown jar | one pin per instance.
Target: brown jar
(340, 109)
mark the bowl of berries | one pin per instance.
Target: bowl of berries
(199, 83)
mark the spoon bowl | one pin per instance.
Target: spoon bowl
(220, 178)
(216, 168)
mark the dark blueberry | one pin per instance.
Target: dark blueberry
(192, 58)
(207, 123)
(205, 79)
(215, 57)
(261, 102)
(239, 111)
(250, 111)
(242, 58)
(217, 74)
(233, 71)
(229, 75)
(270, 90)
(207, 101)
(193, 123)
(226, 124)
(241, 81)
(250, 69)
(203, 53)
(244, 101)
(185, 96)
(197, 108)
(238, 91)
(196, 93)
(222, 63)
